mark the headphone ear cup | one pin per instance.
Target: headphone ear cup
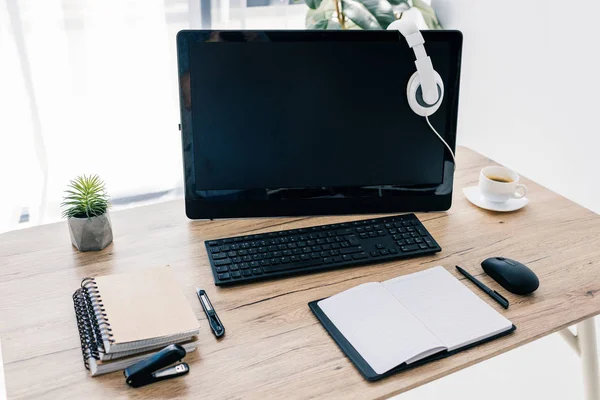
(414, 95)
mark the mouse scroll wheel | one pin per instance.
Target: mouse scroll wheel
(500, 258)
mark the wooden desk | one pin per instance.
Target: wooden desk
(274, 346)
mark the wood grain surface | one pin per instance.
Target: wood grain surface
(274, 347)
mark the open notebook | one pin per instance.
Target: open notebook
(393, 324)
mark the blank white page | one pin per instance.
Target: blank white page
(381, 329)
(456, 315)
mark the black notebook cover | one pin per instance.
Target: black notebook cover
(360, 363)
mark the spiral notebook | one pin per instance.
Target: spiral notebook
(120, 315)
(387, 327)
(100, 367)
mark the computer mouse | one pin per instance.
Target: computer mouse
(511, 275)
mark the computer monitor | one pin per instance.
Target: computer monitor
(286, 123)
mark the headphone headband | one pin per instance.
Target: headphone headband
(415, 41)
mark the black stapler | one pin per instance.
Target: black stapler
(150, 370)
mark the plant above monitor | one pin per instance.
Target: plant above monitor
(364, 14)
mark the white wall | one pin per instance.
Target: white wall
(530, 90)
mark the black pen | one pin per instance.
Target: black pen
(213, 319)
(492, 293)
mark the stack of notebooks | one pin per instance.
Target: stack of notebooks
(123, 319)
(387, 327)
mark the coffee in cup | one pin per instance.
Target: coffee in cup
(499, 184)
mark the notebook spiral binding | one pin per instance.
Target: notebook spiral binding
(92, 321)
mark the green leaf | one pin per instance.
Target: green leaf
(428, 14)
(313, 4)
(360, 15)
(321, 18)
(381, 10)
(85, 197)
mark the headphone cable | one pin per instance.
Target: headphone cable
(443, 141)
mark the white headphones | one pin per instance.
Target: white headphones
(425, 89)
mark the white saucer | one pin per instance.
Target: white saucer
(474, 196)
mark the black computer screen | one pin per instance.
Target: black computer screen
(269, 111)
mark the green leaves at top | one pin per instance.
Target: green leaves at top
(313, 4)
(369, 14)
(428, 14)
(322, 17)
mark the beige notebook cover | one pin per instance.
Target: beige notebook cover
(144, 310)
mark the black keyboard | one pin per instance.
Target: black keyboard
(250, 258)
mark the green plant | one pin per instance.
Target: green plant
(364, 14)
(85, 198)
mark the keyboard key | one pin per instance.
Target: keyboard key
(222, 262)
(237, 259)
(384, 252)
(214, 249)
(347, 257)
(301, 264)
(305, 257)
(337, 259)
(345, 232)
(236, 274)
(410, 241)
(327, 260)
(410, 247)
(219, 256)
(244, 265)
(224, 277)
(257, 271)
(242, 252)
(353, 240)
(393, 250)
(254, 264)
(359, 256)
(264, 263)
(393, 231)
(297, 251)
(246, 272)
(294, 259)
(287, 253)
(363, 235)
(225, 247)
(275, 261)
(247, 258)
(234, 267)
(401, 242)
(418, 240)
(285, 260)
(232, 253)
(350, 250)
(221, 269)
(379, 246)
(423, 246)
(375, 254)
(372, 234)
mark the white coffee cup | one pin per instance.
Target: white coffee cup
(499, 184)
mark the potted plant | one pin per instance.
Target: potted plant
(364, 14)
(86, 211)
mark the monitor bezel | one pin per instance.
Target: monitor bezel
(199, 208)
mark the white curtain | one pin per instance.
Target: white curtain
(86, 87)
